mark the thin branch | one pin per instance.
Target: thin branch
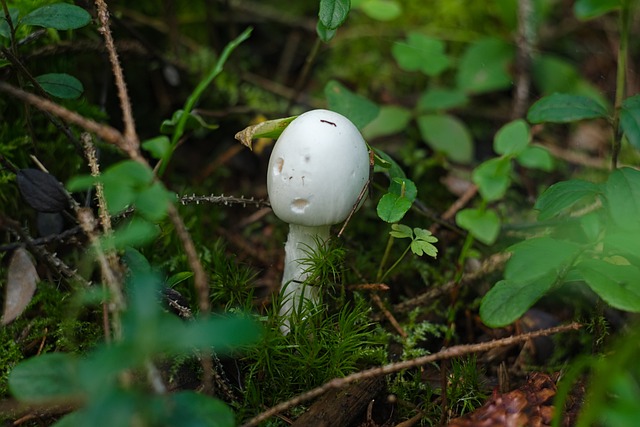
(130, 135)
(448, 353)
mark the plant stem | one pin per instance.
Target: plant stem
(400, 258)
(385, 257)
(620, 80)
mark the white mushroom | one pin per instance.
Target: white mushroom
(318, 168)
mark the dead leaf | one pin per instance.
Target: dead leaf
(266, 129)
(21, 284)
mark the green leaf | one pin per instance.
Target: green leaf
(48, 377)
(403, 187)
(630, 120)
(421, 53)
(493, 177)
(588, 9)
(554, 74)
(484, 66)
(536, 157)
(483, 224)
(401, 231)
(5, 31)
(158, 146)
(81, 182)
(622, 193)
(391, 119)
(622, 242)
(153, 202)
(333, 13)
(381, 10)
(356, 108)
(266, 129)
(191, 409)
(448, 135)
(563, 108)
(441, 99)
(617, 285)
(538, 257)
(137, 232)
(62, 86)
(510, 299)
(192, 122)
(390, 166)
(324, 33)
(563, 195)
(178, 278)
(60, 16)
(392, 207)
(512, 138)
(422, 244)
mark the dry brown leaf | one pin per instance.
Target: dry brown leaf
(21, 284)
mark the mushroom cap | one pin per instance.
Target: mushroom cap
(317, 169)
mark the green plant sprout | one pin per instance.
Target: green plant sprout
(421, 244)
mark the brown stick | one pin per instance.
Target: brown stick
(448, 353)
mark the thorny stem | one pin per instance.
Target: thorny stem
(620, 80)
(447, 353)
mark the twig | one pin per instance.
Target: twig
(130, 135)
(224, 200)
(448, 353)
(396, 325)
(525, 41)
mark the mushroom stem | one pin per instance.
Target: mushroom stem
(295, 293)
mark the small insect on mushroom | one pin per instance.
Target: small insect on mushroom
(316, 176)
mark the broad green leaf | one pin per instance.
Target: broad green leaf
(563, 108)
(224, 334)
(484, 225)
(617, 285)
(266, 129)
(403, 187)
(493, 177)
(512, 138)
(563, 195)
(153, 202)
(401, 231)
(630, 120)
(157, 146)
(510, 299)
(484, 66)
(137, 232)
(191, 409)
(60, 16)
(125, 408)
(381, 10)
(391, 119)
(61, 86)
(536, 157)
(356, 108)
(448, 135)
(588, 9)
(333, 13)
(193, 122)
(421, 53)
(554, 74)
(622, 193)
(48, 377)
(325, 34)
(392, 207)
(81, 182)
(441, 99)
(539, 256)
(622, 242)
(129, 172)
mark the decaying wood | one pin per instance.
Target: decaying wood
(340, 407)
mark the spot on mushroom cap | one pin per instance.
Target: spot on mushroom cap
(317, 169)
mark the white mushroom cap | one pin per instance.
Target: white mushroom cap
(317, 169)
